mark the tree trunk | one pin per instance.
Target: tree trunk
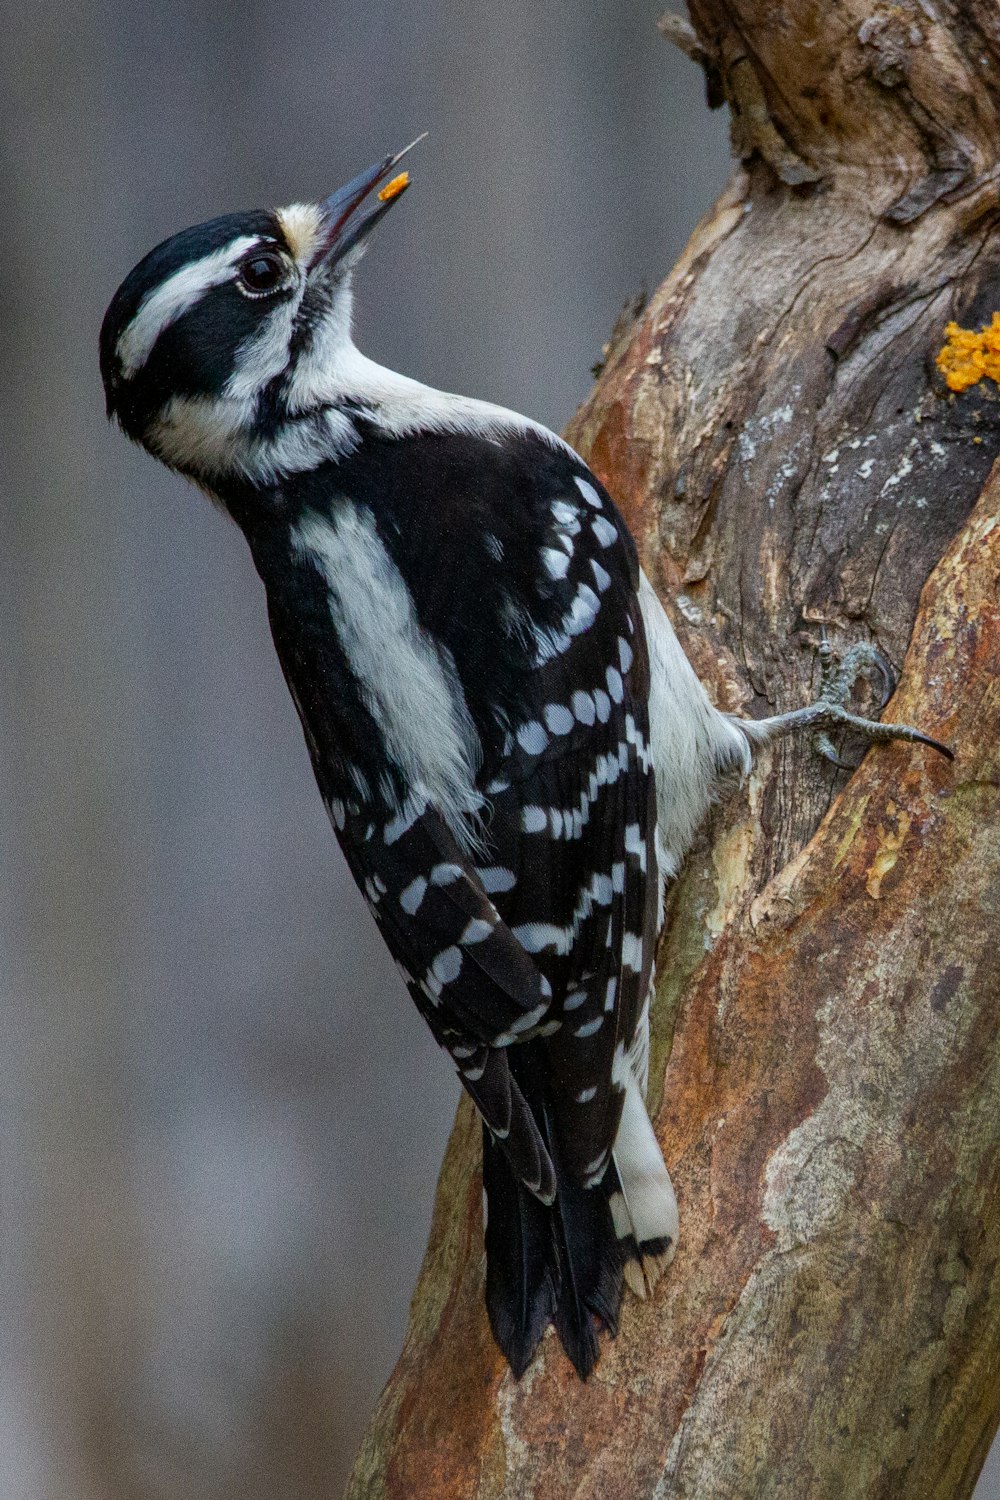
(780, 437)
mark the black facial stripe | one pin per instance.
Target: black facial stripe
(271, 406)
(164, 261)
(315, 304)
(196, 354)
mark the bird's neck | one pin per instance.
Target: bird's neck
(319, 415)
(346, 381)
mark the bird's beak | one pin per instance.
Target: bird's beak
(342, 225)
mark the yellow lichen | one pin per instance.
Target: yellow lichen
(967, 356)
(395, 187)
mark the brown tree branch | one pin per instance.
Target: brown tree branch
(787, 453)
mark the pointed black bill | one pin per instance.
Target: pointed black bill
(343, 223)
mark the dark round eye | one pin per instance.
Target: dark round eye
(262, 273)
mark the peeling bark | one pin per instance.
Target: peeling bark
(826, 1080)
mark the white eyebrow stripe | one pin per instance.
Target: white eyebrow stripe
(172, 298)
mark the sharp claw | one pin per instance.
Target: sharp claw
(888, 676)
(862, 662)
(878, 733)
(823, 745)
(945, 750)
(890, 688)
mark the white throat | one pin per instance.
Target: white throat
(330, 382)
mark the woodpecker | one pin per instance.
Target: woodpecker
(513, 750)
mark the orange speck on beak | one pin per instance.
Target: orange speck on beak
(394, 188)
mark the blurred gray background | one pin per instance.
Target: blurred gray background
(220, 1116)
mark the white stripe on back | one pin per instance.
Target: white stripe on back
(405, 677)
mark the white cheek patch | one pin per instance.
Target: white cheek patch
(173, 297)
(264, 355)
(212, 436)
(201, 433)
(301, 224)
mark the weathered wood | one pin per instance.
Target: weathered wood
(788, 455)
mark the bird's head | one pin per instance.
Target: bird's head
(234, 329)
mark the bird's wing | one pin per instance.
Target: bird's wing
(576, 826)
(522, 567)
(476, 986)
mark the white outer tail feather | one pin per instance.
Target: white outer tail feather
(645, 1209)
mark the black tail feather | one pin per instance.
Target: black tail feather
(521, 1264)
(591, 1262)
(561, 1264)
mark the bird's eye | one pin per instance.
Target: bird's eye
(260, 274)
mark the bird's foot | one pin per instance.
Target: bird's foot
(862, 662)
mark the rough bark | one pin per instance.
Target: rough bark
(788, 455)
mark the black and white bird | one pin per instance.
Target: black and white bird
(512, 747)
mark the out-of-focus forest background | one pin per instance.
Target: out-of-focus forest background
(220, 1116)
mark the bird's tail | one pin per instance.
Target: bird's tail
(564, 1263)
(558, 1264)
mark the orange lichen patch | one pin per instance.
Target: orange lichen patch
(968, 356)
(395, 187)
